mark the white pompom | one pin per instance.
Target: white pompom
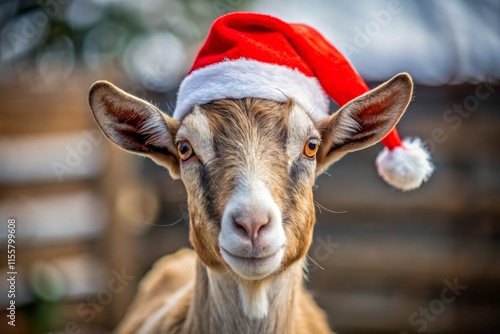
(405, 167)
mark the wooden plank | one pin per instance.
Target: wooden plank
(52, 158)
(56, 218)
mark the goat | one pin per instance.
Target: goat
(249, 166)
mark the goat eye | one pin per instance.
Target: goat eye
(311, 147)
(185, 150)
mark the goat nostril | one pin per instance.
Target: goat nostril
(242, 226)
(251, 225)
(261, 223)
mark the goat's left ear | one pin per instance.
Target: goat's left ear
(363, 121)
(135, 125)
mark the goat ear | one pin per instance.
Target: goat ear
(135, 125)
(363, 121)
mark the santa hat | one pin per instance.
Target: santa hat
(255, 55)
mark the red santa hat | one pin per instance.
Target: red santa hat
(255, 55)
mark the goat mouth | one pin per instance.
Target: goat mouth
(253, 267)
(251, 258)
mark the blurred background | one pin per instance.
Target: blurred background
(91, 219)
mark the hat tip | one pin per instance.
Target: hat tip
(405, 167)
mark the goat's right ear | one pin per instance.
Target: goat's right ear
(363, 121)
(135, 125)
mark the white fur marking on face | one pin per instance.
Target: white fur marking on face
(252, 198)
(300, 129)
(196, 129)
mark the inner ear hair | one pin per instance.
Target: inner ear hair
(135, 125)
(365, 120)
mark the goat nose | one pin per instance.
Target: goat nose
(251, 224)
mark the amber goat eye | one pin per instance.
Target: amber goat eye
(311, 147)
(185, 150)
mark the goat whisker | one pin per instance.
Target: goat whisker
(316, 263)
(160, 225)
(326, 209)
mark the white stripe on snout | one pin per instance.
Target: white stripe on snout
(251, 199)
(196, 129)
(252, 259)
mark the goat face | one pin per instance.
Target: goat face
(249, 165)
